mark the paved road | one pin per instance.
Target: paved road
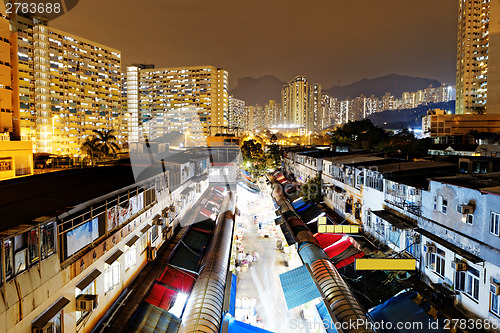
(261, 281)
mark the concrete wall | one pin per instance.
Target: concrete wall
(29, 294)
(17, 154)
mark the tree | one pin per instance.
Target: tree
(274, 155)
(404, 144)
(91, 148)
(107, 142)
(359, 134)
(274, 138)
(311, 190)
(251, 151)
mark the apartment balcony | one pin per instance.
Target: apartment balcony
(402, 203)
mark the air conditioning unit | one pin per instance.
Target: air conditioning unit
(48, 328)
(86, 302)
(459, 265)
(152, 253)
(495, 288)
(430, 248)
(465, 209)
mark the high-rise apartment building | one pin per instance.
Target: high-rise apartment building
(259, 118)
(250, 118)
(387, 102)
(329, 111)
(314, 119)
(301, 103)
(294, 101)
(345, 111)
(68, 86)
(478, 57)
(274, 114)
(236, 117)
(6, 109)
(191, 100)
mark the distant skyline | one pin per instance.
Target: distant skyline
(332, 42)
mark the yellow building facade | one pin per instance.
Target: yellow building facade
(67, 86)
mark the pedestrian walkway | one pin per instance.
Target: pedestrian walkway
(259, 285)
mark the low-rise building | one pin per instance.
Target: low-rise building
(421, 209)
(461, 245)
(16, 159)
(83, 238)
(438, 124)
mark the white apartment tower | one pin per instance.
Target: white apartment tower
(478, 57)
(191, 100)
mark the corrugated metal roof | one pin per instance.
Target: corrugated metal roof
(393, 219)
(311, 252)
(196, 240)
(185, 258)
(150, 318)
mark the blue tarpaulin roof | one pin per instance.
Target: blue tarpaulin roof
(298, 287)
(236, 326)
(232, 299)
(152, 319)
(299, 203)
(326, 319)
(402, 309)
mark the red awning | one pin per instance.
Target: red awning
(161, 296)
(326, 240)
(338, 247)
(220, 189)
(177, 279)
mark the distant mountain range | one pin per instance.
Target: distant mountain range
(393, 83)
(258, 91)
(261, 90)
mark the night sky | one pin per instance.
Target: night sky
(331, 41)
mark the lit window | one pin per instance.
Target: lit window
(131, 256)
(112, 276)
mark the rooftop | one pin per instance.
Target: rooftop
(487, 183)
(354, 159)
(22, 200)
(413, 165)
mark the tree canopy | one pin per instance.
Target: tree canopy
(256, 160)
(311, 190)
(359, 134)
(363, 134)
(100, 146)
